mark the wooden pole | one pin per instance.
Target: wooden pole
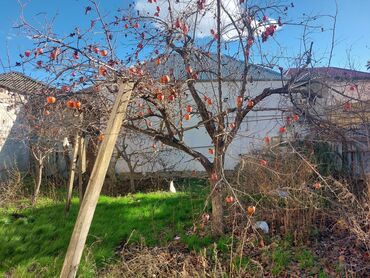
(90, 200)
(72, 171)
(81, 166)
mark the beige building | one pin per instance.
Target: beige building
(335, 103)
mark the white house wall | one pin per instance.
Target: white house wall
(256, 126)
(13, 151)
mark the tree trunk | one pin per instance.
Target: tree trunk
(216, 183)
(217, 209)
(111, 178)
(67, 160)
(81, 167)
(39, 170)
(132, 179)
(91, 153)
(72, 171)
(131, 174)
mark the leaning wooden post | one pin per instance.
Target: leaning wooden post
(81, 166)
(90, 200)
(72, 171)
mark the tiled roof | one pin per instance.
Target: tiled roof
(18, 82)
(232, 69)
(329, 72)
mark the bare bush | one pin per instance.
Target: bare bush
(12, 189)
(295, 198)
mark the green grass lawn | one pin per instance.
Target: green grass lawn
(33, 242)
(35, 245)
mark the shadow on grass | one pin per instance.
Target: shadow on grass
(36, 240)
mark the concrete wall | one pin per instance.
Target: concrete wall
(257, 125)
(13, 146)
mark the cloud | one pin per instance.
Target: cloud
(204, 21)
(10, 36)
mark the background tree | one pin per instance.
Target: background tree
(44, 127)
(141, 155)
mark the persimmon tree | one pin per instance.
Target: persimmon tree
(136, 44)
(47, 118)
(44, 129)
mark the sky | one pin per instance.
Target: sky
(352, 42)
